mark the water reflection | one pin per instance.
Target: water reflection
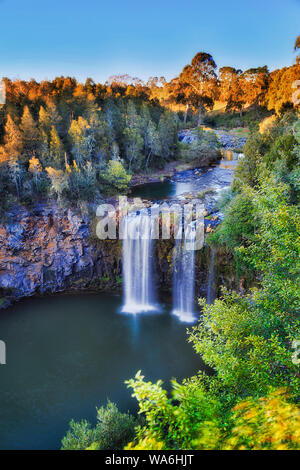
(197, 181)
(230, 159)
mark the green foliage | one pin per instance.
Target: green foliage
(268, 423)
(246, 339)
(133, 148)
(116, 175)
(267, 316)
(240, 222)
(249, 118)
(249, 348)
(194, 419)
(247, 170)
(174, 425)
(205, 148)
(276, 150)
(112, 432)
(81, 182)
(80, 436)
(275, 251)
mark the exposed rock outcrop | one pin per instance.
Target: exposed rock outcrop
(49, 250)
(227, 140)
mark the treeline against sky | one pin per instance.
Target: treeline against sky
(77, 140)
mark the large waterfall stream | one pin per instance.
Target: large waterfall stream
(138, 262)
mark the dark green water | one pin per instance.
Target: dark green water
(68, 354)
(166, 189)
(154, 190)
(196, 181)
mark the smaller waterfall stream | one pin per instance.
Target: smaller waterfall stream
(137, 263)
(184, 276)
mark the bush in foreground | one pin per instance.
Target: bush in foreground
(112, 432)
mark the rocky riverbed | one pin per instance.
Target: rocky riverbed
(228, 141)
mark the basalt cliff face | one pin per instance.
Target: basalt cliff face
(47, 250)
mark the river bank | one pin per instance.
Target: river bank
(229, 141)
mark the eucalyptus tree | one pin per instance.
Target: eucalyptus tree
(231, 92)
(80, 140)
(200, 81)
(255, 82)
(56, 148)
(132, 135)
(179, 91)
(30, 134)
(152, 142)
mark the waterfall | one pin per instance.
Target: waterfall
(210, 297)
(184, 276)
(137, 262)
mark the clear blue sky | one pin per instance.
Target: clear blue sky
(44, 39)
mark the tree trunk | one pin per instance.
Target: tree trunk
(200, 115)
(148, 159)
(186, 113)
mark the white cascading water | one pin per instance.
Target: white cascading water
(137, 263)
(184, 276)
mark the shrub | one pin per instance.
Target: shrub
(112, 432)
(116, 175)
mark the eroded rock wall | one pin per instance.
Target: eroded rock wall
(48, 250)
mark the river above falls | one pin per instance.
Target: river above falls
(195, 181)
(68, 354)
